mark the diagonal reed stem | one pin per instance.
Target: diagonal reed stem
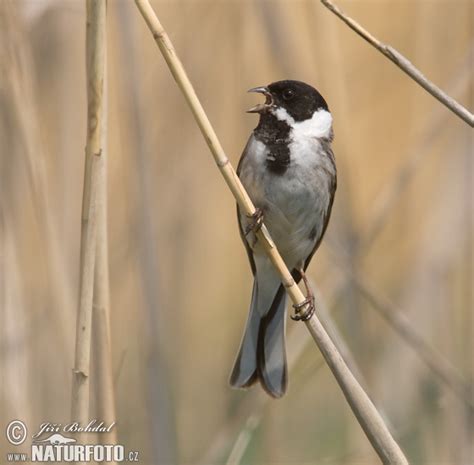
(441, 367)
(362, 407)
(404, 64)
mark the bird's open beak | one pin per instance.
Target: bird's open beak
(262, 107)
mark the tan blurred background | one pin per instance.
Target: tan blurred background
(179, 279)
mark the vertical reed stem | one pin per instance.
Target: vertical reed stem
(95, 61)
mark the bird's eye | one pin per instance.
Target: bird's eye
(288, 94)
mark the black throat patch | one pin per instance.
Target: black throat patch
(275, 134)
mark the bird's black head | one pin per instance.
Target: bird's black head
(298, 99)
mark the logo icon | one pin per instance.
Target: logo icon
(16, 432)
(56, 440)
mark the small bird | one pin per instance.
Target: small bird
(289, 171)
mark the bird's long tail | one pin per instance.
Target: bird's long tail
(262, 353)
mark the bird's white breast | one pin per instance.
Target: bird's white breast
(295, 202)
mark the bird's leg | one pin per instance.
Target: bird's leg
(307, 303)
(256, 221)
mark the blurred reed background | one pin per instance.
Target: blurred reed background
(179, 280)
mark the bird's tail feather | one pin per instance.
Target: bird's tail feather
(262, 352)
(271, 353)
(244, 373)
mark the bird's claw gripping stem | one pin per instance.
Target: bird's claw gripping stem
(308, 302)
(308, 313)
(256, 221)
